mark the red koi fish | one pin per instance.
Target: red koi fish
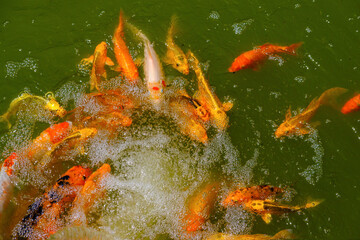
(352, 105)
(122, 54)
(252, 58)
(44, 215)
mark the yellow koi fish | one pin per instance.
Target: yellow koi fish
(154, 75)
(297, 125)
(174, 55)
(207, 97)
(265, 208)
(49, 103)
(284, 234)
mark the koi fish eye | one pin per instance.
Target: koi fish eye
(177, 65)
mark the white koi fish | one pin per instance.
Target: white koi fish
(154, 75)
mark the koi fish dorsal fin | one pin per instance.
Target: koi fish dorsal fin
(288, 114)
(329, 96)
(266, 217)
(292, 48)
(284, 234)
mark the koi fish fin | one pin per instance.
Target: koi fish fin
(109, 62)
(255, 67)
(315, 124)
(305, 130)
(288, 114)
(87, 61)
(227, 106)
(284, 234)
(292, 48)
(139, 61)
(172, 30)
(166, 60)
(329, 96)
(266, 217)
(315, 103)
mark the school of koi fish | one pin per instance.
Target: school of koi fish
(67, 203)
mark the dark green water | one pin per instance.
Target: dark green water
(41, 43)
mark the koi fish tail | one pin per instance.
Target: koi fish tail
(119, 30)
(292, 48)
(4, 118)
(284, 234)
(172, 29)
(329, 96)
(139, 34)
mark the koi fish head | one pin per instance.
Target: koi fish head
(75, 176)
(156, 91)
(240, 63)
(101, 50)
(181, 64)
(220, 119)
(285, 129)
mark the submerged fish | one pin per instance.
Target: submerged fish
(154, 75)
(92, 191)
(186, 118)
(200, 206)
(265, 208)
(49, 103)
(207, 97)
(284, 234)
(242, 195)
(352, 105)
(98, 69)
(174, 55)
(122, 54)
(44, 215)
(297, 125)
(252, 58)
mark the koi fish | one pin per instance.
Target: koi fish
(252, 58)
(284, 234)
(297, 125)
(186, 119)
(98, 69)
(200, 207)
(242, 195)
(154, 75)
(265, 208)
(91, 191)
(49, 103)
(44, 215)
(174, 55)
(207, 97)
(200, 111)
(75, 139)
(352, 105)
(122, 54)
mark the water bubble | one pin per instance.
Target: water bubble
(239, 28)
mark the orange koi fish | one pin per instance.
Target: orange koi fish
(44, 216)
(187, 119)
(284, 234)
(297, 125)
(122, 54)
(174, 55)
(200, 110)
(98, 69)
(242, 195)
(92, 191)
(75, 140)
(266, 207)
(200, 207)
(154, 75)
(252, 58)
(352, 105)
(207, 97)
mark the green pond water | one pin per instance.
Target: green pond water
(155, 168)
